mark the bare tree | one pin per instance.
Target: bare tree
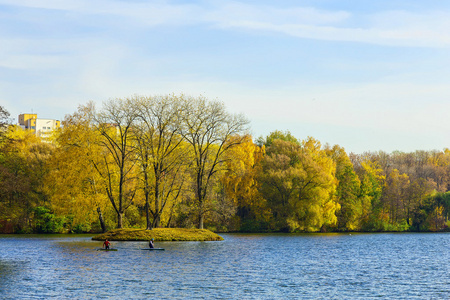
(115, 123)
(161, 153)
(208, 129)
(4, 119)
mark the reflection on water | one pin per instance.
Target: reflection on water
(243, 266)
(7, 272)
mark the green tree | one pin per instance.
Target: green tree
(432, 213)
(347, 191)
(372, 183)
(277, 135)
(418, 189)
(279, 179)
(47, 222)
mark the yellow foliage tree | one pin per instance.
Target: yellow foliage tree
(241, 185)
(316, 204)
(76, 186)
(397, 195)
(298, 181)
(372, 183)
(23, 167)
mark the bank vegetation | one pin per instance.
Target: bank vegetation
(185, 162)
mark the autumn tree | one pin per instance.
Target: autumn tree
(75, 185)
(208, 128)
(316, 202)
(439, 162)
(241, 186)
(23, 168)
(396, 194)
(347, 191)
(299, 184)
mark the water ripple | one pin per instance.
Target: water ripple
(278, 266)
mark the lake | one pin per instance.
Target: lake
(243, 266)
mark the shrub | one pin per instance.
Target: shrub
(46, 222)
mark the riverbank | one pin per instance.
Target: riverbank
(159, 234)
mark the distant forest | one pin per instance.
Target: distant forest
(178, 161)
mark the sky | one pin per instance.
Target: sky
(366, 75)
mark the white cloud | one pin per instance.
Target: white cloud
(231, 14)
(392, 28)
(45, 4)
(429, 32)
(145, 13)
(72, 51)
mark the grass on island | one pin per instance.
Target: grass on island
(159, 234)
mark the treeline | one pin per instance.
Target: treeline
(176, 161)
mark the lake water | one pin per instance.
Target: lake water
(243, 266)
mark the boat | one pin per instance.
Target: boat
(103, 249)
(162, 249)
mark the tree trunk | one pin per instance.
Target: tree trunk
(157, 218)
(147, 205)
(170, 216)
(100, 218)
(119, 220)
(200, 222)
(147, 202)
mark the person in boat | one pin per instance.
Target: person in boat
(150, 244)
(106, 244)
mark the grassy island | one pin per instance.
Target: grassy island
(159, 234)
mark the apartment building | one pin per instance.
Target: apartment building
(42, 127)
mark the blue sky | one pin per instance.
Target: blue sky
(367, 75)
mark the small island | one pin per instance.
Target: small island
(159, 234)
